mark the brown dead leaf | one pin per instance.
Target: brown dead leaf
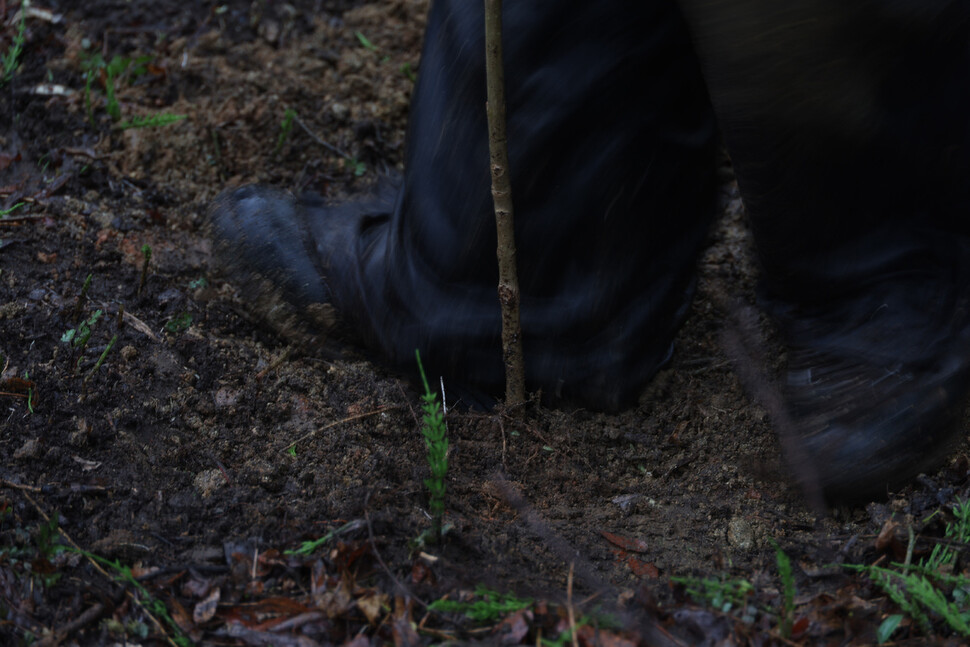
(180, 616)
(196, 587)
(141, 572)
(372, 606)
(16, 385)
(514, 628)
(263, 614)
(888, 540)
(421, 572)
(46, 258)
(335, 602)
(626, 543)
(402, 627)
(345, 554)
(156, 217)
(6, 159)
(641, 568)
(104, 235)
(205, 609)
(267, 560)
(590, 637)
(404, 634)
(320, 580)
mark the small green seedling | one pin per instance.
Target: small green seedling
(724, 594)
(151, 121)
(367, 44)
(78, 337)
(118, 67)
(101, 359)
(6, 212)
(179, 323)
(408, 72)
(91, 67)
(435, 434)
(146, 252)
(110, 74)
(365, 41)
(490, 607)
(355, 165)
(30, 393)
(308, 547)
(200, 282)
(9, 60)
(286, 127)
(788, 590)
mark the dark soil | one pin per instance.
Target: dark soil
(173, 456)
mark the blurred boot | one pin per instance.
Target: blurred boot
(611, 140)
(849, 128)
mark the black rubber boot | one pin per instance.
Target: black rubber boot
(848, 127)
(611, 141)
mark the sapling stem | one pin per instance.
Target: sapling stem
(508, 282)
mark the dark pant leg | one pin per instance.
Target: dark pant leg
(611, 142)
(849, 127)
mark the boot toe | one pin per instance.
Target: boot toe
(264, 231)
(864, 431)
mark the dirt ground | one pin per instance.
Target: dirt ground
(202, 447)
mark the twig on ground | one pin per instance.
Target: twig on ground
(140, 326)
(285, 355)
(57, 636)
(340, 422)
(330, 147)
(18, 486)
(16, 220)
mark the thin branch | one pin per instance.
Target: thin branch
(508, 282)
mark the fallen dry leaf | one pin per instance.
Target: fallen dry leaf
(205, 609)
(372, 606)
(591, 637)
(626, 543)
(514, 628)
(641, 568)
